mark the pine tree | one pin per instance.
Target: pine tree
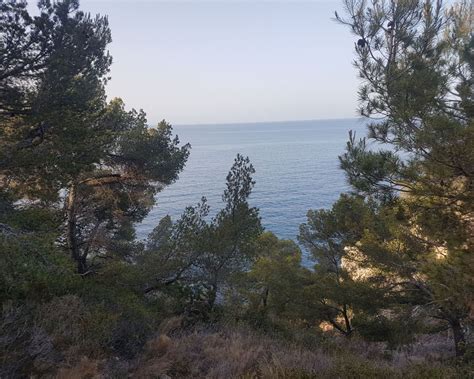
(63, 144)
(208, 253)
(415, 60)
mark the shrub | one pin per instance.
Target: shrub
(25, 347)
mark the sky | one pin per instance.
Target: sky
(230, 61)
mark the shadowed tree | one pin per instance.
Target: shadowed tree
(415, 60)
(208, 254)
(271, 289)
(333, 293)
(62, 143)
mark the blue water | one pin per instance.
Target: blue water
(296, 165)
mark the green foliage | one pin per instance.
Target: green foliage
(77, 173)
(104, 204)
(268, 294)
(204, 256)
(395, 329)
(331, 291)
(33, 268)
(65, 138)
(58, 66)
(415, 61)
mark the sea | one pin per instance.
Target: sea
(296, 164)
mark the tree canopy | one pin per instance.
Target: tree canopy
(415, 61)
(63, 143)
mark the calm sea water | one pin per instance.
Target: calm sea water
(296, 165)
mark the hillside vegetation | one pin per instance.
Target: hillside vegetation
(390, 289)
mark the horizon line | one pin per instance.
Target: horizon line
(263, 122)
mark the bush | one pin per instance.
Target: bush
(395, 331)
(33, 269)
(25, 347)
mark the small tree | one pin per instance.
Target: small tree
(271, 289)
(328, 235)
(209, 253)
(233, 231)
(173, 248)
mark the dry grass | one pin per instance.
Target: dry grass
(241, 353)
(85, 368)
(224, 354)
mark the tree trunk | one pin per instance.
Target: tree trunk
(265, 297)
(347, 321)
(459, 337)
(212, 296)
(72, 230)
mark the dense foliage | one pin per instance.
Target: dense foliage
(389, 263)
(416, 62)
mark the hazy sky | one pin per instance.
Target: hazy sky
(230, 61)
